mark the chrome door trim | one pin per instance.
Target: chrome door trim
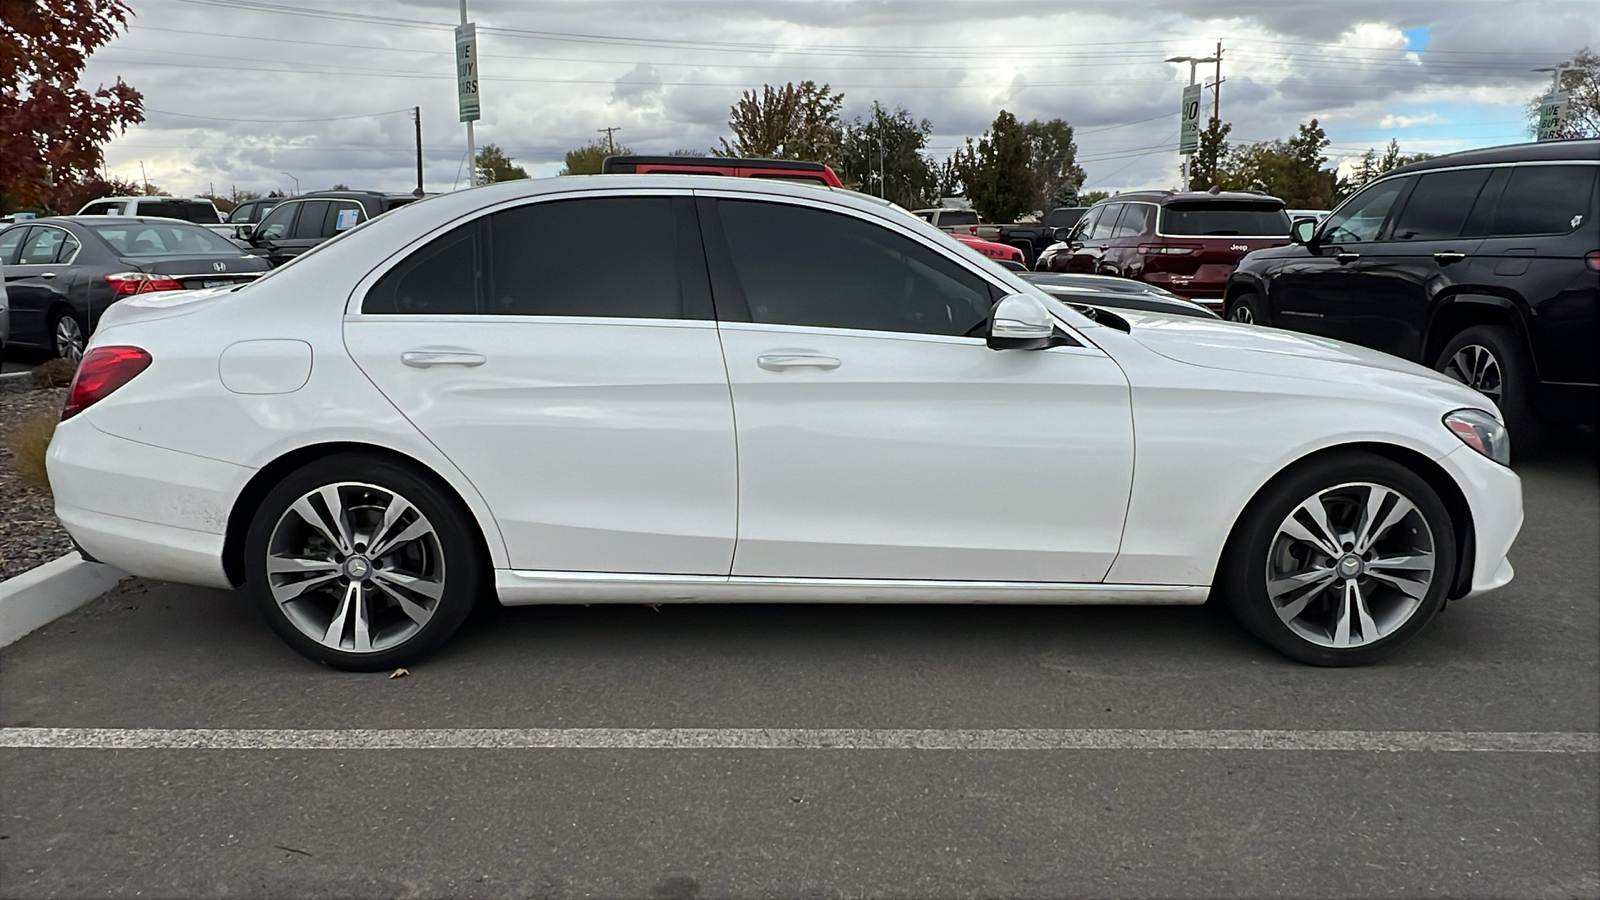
(520, 587)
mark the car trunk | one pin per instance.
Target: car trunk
(1202, 241)
(203, 271)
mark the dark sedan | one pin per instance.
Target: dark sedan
(62, 273)
(1110, 292)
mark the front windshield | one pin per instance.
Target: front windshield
(152, 239)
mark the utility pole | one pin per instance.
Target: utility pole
(611, 146)
(416, 113)
(143, 178)
(1216, 108)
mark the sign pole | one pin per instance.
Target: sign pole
(467, 86)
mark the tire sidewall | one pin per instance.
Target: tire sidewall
(1516, 373)
(1244, 566)
(1250, 301)
(452, 524)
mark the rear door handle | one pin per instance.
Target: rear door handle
(422, 359)
(1344, 258)
(777, 362)
(1446, 257)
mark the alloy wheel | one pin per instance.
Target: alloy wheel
(1241, 313)
(355, 567)
(69, 339)
(1476, 367)
(1350, 565)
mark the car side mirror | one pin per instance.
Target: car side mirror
(1062, 234)
(1303, 230)
(244, 231)
(1020, 322)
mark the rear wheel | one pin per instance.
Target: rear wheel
(67, 336)
(361, 564)
(1247, 308)
(1341, 562)
(1492, 361)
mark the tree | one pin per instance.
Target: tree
(345, 187)
(791, 122)
(223, 204)
(1090, 198)
(585, 160)
(948, 181)
(1290, 170)
(1206, 166)
(1053, 155)
(51, 131)
(495, 166)
(1371, 167)
(1582, 84)
(998, 171)
(882, 155)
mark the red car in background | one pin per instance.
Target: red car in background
(781, 169)
(1188, 243)
(990, 248)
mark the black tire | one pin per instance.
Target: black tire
(450, 550)
(1256, 541)
(1510, 359)
(59, 350)
(1249, 309)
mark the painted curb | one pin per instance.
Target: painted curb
(45, 593)
(6, 376)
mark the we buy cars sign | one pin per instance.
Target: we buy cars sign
(467, 71)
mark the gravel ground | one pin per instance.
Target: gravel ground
(29, 532)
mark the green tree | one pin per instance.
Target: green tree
(882, 155)
(587, 160)
(52, 131)
(1581, 82)
(791, 122)
(1206, 167)
(947, 180)
(1090, 198)
(1053, 155)
(998, 171)
(495, 166)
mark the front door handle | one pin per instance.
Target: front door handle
(1347, 258)
(1446, 257)
(777, 362)
(47, 275)
(422, 359)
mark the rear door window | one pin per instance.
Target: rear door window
(187, 210)
(1223, 218)
(310, 223)
(342, 215)
(1545, 200)
(1136, 220)
(42, 247)
(1438, 208)
(957, 217)
(102, 208)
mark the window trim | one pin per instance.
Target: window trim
(29, 237)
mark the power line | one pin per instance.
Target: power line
(279, 121)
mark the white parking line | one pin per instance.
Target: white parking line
(1006, 739)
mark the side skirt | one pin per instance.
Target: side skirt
(521, 588)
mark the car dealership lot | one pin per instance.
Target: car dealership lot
(613, 820)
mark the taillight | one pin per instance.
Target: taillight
(1593, 259)
(125, 284)
(1166, 250)
(103, 370)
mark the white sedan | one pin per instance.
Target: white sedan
(774, 393)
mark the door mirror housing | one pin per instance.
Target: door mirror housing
(1062, 235)
(1302, 231)
(243, 231)
(1020, 322)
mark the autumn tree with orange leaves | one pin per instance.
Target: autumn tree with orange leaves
(52, 130)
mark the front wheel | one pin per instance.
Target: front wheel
(1247, 308)
(1341, 562)
(359, 563)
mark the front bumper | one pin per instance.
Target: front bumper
(1494, 496)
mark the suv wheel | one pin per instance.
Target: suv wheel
(1490, 360)
(1246, 308)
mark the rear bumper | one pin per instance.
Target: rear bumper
(1206, 292)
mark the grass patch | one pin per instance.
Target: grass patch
(28, 443)
(53, 374)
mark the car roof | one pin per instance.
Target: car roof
(1164, 198)
(1578, 149)
(792, 165)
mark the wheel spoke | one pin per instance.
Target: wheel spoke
(1418, 562)
(430, 589)
(1402, 508)
(1295, 607)
(284, 593)
(1319, 514)
(335, 633)
(1413, 588)
(280, 565)
(416, 529)
(391, 514)
(1369, 628)
(1290, 583)
(1341, 630)
(363, 635)
(1293, 528)
(341, 520)
(316, 520)
(413, 610)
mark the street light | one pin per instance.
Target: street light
(1192, 61)
(296, 182)
(1555, 79)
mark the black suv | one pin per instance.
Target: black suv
(300, 223)
(1484, 265)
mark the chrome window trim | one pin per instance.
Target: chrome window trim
(67, 262)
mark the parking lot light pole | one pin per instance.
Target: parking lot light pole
(1193, 61)
(295, 180)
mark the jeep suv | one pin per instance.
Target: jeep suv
(300, 223)
(1187, 243)
(1484, 265)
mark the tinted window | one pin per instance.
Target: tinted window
(1065, 217)
(241, 213)
(1362, 218)
(187, 210)
(1101, 230)
(10, 239)
(560, 259)
(41, 247)
(153, 239)
(1136, 220)
(103, 208)
(440, 279)
(1439, 205)
(1085, 224)
(343, 215)
(309, 225)
(957, 217)
(276, 225)
(803, 266)
(1545, 200)
(1219, 218)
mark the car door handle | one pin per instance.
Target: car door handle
(1446, 257)
(422, 359)
(47, 275)
(1345, 258)
(777, 362)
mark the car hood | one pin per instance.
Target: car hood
(1270, 351)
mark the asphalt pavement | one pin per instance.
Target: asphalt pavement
(821, 751)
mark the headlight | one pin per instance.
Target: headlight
(1482, 432)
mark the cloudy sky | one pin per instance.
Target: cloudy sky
(255, 94)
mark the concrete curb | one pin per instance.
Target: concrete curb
(46, 593)
(7, 376)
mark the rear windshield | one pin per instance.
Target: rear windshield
(958, 217)
(1223, 219)
(187, 210)
(154, 239)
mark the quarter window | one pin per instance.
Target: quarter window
(1545, 200)
(1362, 218)
(801, 266)
(1439, 206)
(441, 279)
